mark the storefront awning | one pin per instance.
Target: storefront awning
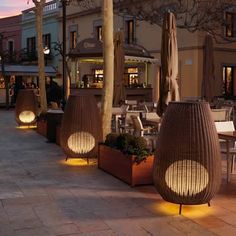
(128, 59)
(27, 70)
(141, 59)
(92, 49)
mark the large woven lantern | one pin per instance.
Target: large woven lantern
(187, 168)
(26, 107)
(81, 127)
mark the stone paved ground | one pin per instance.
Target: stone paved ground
(41, 196)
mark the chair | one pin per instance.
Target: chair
(125, 124)
(117, 113)
(225, 126)
(229, 109)
(152, 116)
(152, 119)
(131, 104)
(220, 114)
(141, 131)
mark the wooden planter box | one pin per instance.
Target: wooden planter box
(42, 127)
(124, 167)
(58, 134)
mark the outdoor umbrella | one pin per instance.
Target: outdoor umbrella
(208, 80)
(169, 90)
(119, 61)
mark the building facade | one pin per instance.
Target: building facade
(10, 44)
(85, 23)
(10, 30)
(51, 24)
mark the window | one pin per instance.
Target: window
(229, 81)
(132, 76)
(98, 74)
(130, 28)
(31, 45)
(99, 33)
(97, 29)
(47, 40)
(230, 24)
(73, 39)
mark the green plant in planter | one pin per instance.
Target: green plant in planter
(129, 144)
(111, 140)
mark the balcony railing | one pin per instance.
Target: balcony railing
(49, 8)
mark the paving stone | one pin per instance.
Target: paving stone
(226, 230)
(65, 229)
(34, 232)
(51, 215)
(42, 196)
(97, 233)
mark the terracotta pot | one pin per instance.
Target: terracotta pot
(42, 127)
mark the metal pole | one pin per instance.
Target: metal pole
(64, 2)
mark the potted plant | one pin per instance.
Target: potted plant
(127, 158)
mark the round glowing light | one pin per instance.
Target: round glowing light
(27, 116)
(186, 177)
(81, 142)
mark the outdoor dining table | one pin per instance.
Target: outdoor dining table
(229, 136)
(156, 122)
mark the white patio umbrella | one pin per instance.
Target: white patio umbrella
(169, 90)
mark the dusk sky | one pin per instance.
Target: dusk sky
(13, 7)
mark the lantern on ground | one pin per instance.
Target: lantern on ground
(80, 127)
(26, 107)
(187, 169)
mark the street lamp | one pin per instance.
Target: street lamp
(64, 4)
(46, 52)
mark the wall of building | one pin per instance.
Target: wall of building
(10, 27)
(50, 26)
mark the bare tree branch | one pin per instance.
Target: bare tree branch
(192, 15)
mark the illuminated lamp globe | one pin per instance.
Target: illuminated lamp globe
(81, 142)
(27, 117)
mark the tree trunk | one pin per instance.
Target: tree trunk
(108, 57)
(39, 28)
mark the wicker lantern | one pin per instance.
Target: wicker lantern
(187, 169)
(81, 127)
(26, 107)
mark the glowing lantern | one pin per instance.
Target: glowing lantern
(81, 127)
(187, 170)
(26, 107)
